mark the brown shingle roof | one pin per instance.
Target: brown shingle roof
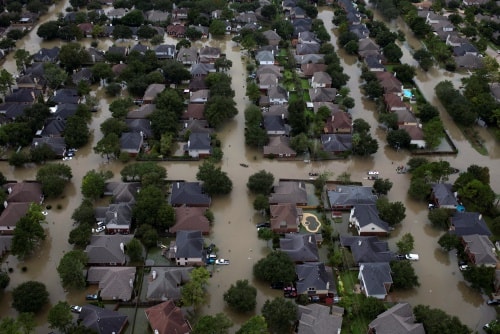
(191, 219)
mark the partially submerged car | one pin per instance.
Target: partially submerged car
(412, 257)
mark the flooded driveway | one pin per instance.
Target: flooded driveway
(234, 229)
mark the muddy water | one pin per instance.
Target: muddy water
(234, 230)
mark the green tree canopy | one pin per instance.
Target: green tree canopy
(261, 182)
(436, 321)
(70, 269)
(255, 325)
(80, 235)
(215, 181)
(30, 296)
(440, 218)
(406, 243)
(449, 241)
(94, 183)
(481, 278)
(54, 178)
(60, 317)
(219, 109)
(403, 275)
(84, 213)
(217, 324)
(108, 146)
(144, 172)
(275, 267)
(193, 293)
(392, 213)
(241, 297)
(382, 186)
(280, 314)
(29, 232)
(152, 208)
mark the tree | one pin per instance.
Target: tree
(218, 324)
(373, 89)
(392, 213)
(269, 11)
(79, 134)
(193, 293)
(280, 314)
(93, 183)
(382, 186)
(60, 317)
(54, 178)
(392, 52)
(42, 153)
(424, 58)
(255, 325)
(241, 297)
(102, 71)
(449, 241)
(73, 55)
(352, 47)
(147, 234)
(30, 296)
(151, 208)
(220, 109)
(404, 73)
(80, 235)
(223, 64)
(217, 28)
(398, 139)
(433, 133)
(144, 171)
(275, 267)
(108, 146)
(215, 181)
(122, 32)
(48, 30)
(481, 278)
(427, 112)
(300, 143)
(4, 279)
(6, 81)
(419, 189)
(134, 250)
(403, 275)
(23, 59)
(28, 232)
(134, 18)
(439, 218)
(113, 125)
(54, 75)
(70, 269)
(261, 202)
(84, 214)
(406, 244)
(25, 324)
(436, 321)
(175, 72)
(119, 108)
(261, 182)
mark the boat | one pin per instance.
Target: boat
(373, 172)
(244, 165)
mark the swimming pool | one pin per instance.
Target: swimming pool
(407, 93)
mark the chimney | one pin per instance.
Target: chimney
(5, 204)
(122, 247)
(131, 282)
(480, 217)
(178, 185)
(283, 116)
(360, 242)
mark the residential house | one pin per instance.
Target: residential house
(375, 279)
(117, 217)
(120, 51)
(279, 147)
(265, 58)
(495, 91)
(267, 80)
(277, 95)
(315, 279)
(152, 92)
(66, 95)
(480, 250)
(131, 143)
(12, 110)
(63, 111)
(86, 28)
(246, 17)
(116, 13)
(366, 219)
(285, 218)
(118, 69)
(309, 59)
(309, 69)
(56, 145)
(23, 95)
(468, 223)
(102, 320)
(321, 80)
(269, 69)
(345, 197)
(339, 122)
(189, 194)
(187, 249)
(139, 48)
(416, 134)
(367, 46)
(398, 319)
(165, 51)
(288, 4)
(275, 125)
(300, 247)
(115, 283)
(122, 192)
(406, 117)
(334, 108)
(24, 192)
(307, 37)
(195, 125)
(297, 13)
(209, 54)
(465, 49)
(194, 111)
(390, 83)
(167, 318)
(322, 94)
(31, 81)
(141, 126)
(360, 30)
(443, 197)
(374, 62)
(187, 56)
(367, 249)
(197, 83)
(11, 215)
(165, 283)
(301, 25)
(157, 16)
(289, 192)
(176, 30)
(200, 96)
(306, 49)
(272, 37)
(143, 112)
(82, 75)
(180, 13)
(199, 145)
(394, 103)
(107, 250)
(317, 319)
(202, 29)
(52, 128)
(469, 61)
(45, 55)
(277, 109)
(336, 143)
(191, 219)
(202, 69)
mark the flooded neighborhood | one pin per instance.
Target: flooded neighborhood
(233, 231)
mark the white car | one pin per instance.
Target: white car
(221, 261)
(412, 257)
(76, 308)
(100, 229)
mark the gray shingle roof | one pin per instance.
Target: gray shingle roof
(188, 193)
(399, 319)
(314, 275)
(316, 319)
(444, 194)
(351, 195)
(367, 249)
(115, 283)
(289, 192)
(300, 247)
(105, 249)
(168, 282)
(375, 275)
(101, 320)
(468, 223)
(367, 214)
(189, 244)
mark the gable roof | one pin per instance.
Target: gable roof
(140, 125)
(300, 247)
(339, 120)
(322, 94)
(279, 145)
(367, 249)
(351, 195)
(284, 216)
(289, 192)
(189, 193)
(468, 223)
(482, 248)
(316, 319)
(375, 277)
(307, 48)
(152, 91)
(275, 123)
(415, 131)
(199, 141)
(271, 36)
(122, 192)
(45, 54)
(115, 283)
(107, 249)
(131, 141)
(56, 144)
(166, 282)
(23, 95)
(314, 275)
(194, 111)
(142, 112)
(336, 142)
(115, 216)
(269, 69)
(367, 214)
(166, 318)
(190, 219)
(310, 59)
(399, 319)
(24, 192)
(187, 54)
(309, 69)
(189, 244)
(443, 193)
(102, 320)
(12, 213)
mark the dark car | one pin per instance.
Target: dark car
(314, 299)
(264, 225)
(278, 285)
(493, 302)
(400, 257)
(92, 297)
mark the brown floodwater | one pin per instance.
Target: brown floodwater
(234, 231)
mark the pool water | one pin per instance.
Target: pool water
(407, 93)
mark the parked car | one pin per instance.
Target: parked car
(75, 308)
(412, 257)
(92, 297)
(263, 225)
(314, 299)
(277, 285)
(221, 261)
(100, 229)
(493, 302)
(400, 257)
(463, 267)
